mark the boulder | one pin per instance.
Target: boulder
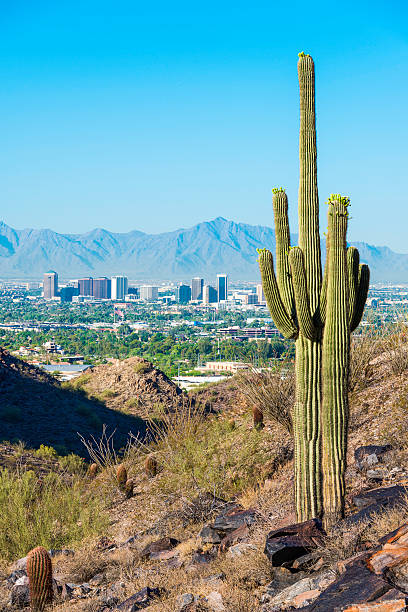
(238, 535)
(138, 601)
(164, 544)
(367, 456)
(209, 535)
(234, 518)
(20, 596)
(283, 546)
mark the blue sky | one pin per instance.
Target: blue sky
(159, 115)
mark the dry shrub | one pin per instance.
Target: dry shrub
(395, 346)
(270, 391)
(365, 346)
(200, 454)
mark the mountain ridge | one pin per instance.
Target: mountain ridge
(207, 248)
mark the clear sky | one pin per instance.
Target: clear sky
(158, 115)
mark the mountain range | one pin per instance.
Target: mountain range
(208, 248)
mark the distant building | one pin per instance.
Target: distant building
(197, 285)
(149, 293)
(101, 288)
(260, 294)
(134, 291)
(183, 294)
(209, 295)
(50, 285)
(222, 287)
(250, 298)
(67, 293)
(85, 286)
(119, 287)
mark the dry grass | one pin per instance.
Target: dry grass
(270, 391)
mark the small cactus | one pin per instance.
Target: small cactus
(258, 418)
(93, 471)
(39, 571)
(151, 466)
(128, 491)
(121, 476)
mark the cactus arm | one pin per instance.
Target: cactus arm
(309, 236)
(323, 291)
(282, 234)
(335, 365)
(305, 321)
(353, 261)
(273, 299)
(361, 296)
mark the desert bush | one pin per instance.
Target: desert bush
(107, 394)
(73, 464)
(45, 511)
(365, 347)
(271, 391)
(80, 381)
(200, 453)
(395, 345)
(143, 367)
(46, 452)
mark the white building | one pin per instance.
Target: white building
(119, 287)
(260, 294)
(149, 293)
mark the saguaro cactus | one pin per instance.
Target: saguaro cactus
(39, 571)
(298, 299)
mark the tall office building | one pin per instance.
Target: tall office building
(149, 293)
(119, 287)
(183, 294)
(197, 285)
(101, 288)
(85, 286)
(222, 287)
(50, 285)
(67, 293)
(260, 294)
(209, 294)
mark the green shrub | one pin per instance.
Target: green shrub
(46, 452)
(142, 367)
(73, 464)
(50, 513)
(107, 393)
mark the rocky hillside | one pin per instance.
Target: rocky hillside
(132, 386)
(36, 409)
(212, 528)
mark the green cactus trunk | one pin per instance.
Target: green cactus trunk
(39, 571)
(299, 302)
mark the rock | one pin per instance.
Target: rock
(209, 535)
(392, 605)
(23, 580)
(14, 576)
(184, 600)
(365, 456)
(164, 544)
(239, 534)
(394, 552)
(20, 596)
(289, 543)
(214, 601)
(355, 586)
(382, 495)
(201, 558)
(139, 600)
(378, 474)
(97, 580)
(238, 550)
(234, 518)
(67, 592)
(302, 592)
(305, 562)
(21, 564)
(305, 598)
(66, 552)
(163, 555)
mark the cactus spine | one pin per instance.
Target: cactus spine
(39, 571)
(299, 301)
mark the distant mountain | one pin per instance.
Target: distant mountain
(206, 249)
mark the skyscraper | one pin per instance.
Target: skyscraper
(50, 285)
(85, 286)
(197, 285)
(260, 294)
(119, 287)
(183, 294)
(149, 293)
(222, 287)
(209, 294)
(101, 288)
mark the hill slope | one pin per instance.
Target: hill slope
(204, 249)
